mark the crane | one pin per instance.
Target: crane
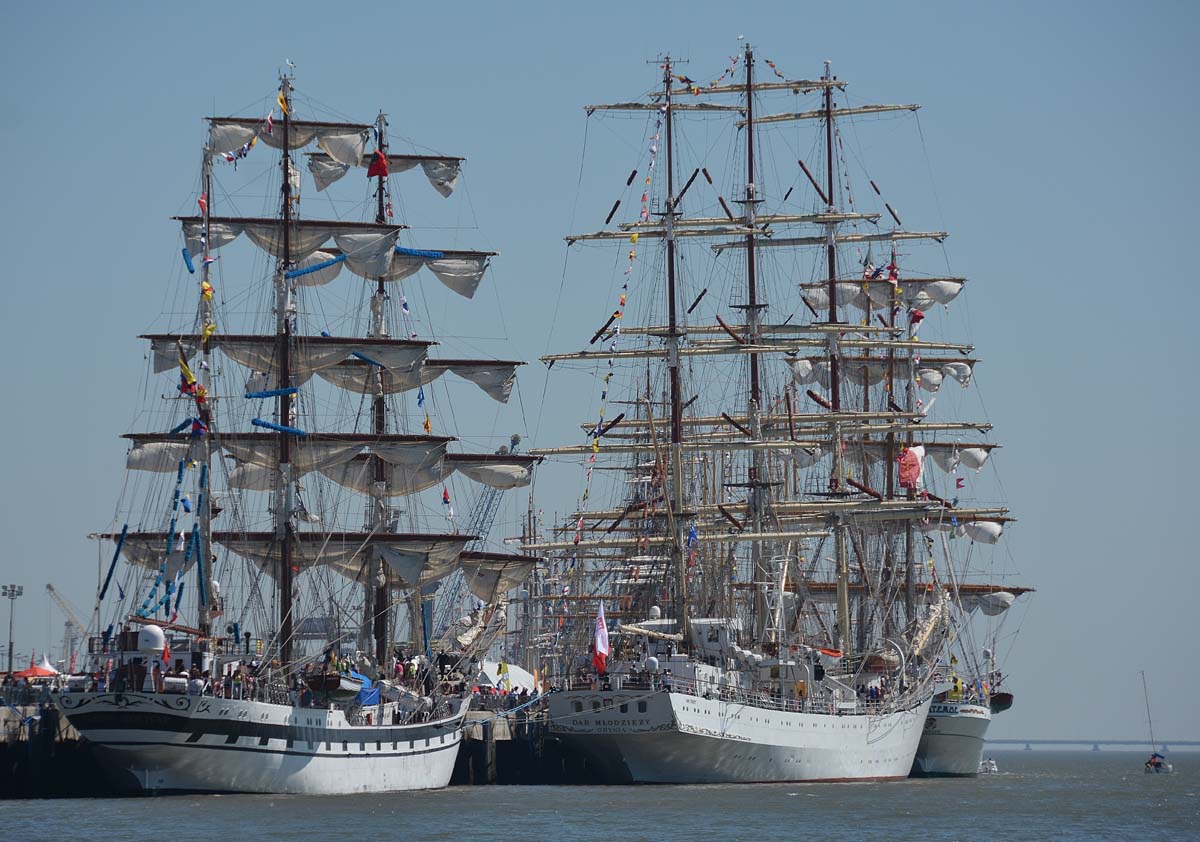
(74, 628)
(453, 591)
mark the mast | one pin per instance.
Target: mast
(283, 306)
(835, 386)
(379, 602)
(752, 320)
(204, 551)
(676, 461)
(1149, 720)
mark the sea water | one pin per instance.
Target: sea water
(1036, 795)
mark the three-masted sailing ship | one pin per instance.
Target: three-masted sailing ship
(294, 511)
(773, 549)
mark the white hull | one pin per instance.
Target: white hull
(165, 743)
(952, 744)
(684, 738)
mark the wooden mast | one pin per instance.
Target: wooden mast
(379, 602)
(283, 512)
(676, 456)
(835, 386)
(204, 550)
(752, 320)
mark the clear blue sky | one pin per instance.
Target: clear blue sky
(1061, 139)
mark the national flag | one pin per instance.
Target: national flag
(187, 380)
(283, 103)
(203, 203)
(379, 166)
(208, 261)
(600, 655)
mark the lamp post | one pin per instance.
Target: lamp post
(11, 592)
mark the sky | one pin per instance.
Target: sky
(1055, 144)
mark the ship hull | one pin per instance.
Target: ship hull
(952, 744)
(163, 743)
(687, 739)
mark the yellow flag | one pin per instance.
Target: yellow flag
(188, 377)
(283, 103)
(428, 425)
(633, 238)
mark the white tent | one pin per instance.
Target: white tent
(518, 678)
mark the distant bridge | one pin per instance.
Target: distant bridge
(1164, 745)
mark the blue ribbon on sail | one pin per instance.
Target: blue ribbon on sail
(316, 267)
(279, 428)
(272, 393)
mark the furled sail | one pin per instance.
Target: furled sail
(920, 293)
(344, 143)
(308, 354)
(490, 575)
(409, 473)
(348, 552)
(871, 371)
(495, 377)
(442, 171)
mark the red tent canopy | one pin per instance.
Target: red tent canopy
(43, 670)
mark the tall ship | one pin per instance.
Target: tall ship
(756, 582)
(290, 513)
(972, 688)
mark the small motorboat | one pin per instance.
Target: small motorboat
(334, 685)
(988, 767)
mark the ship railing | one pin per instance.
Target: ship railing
(739, 695)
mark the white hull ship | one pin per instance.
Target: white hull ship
(687, 736)
(162, 743)
(953, 739)
(767, 467)
(315, 546)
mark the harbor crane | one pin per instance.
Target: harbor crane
(74, 629)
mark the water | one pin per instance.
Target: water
(1037, 795)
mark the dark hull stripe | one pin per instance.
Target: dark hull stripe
(261, 750)
(185, 723)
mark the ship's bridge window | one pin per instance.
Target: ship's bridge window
(712, 634)
(578, 706)
(641, 707)
(595, 704)
(624, 707)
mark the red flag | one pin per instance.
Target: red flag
(959, 482)
(166, 653)
(915, 317)
(203, 202)
(378, 166)
(600, 655)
